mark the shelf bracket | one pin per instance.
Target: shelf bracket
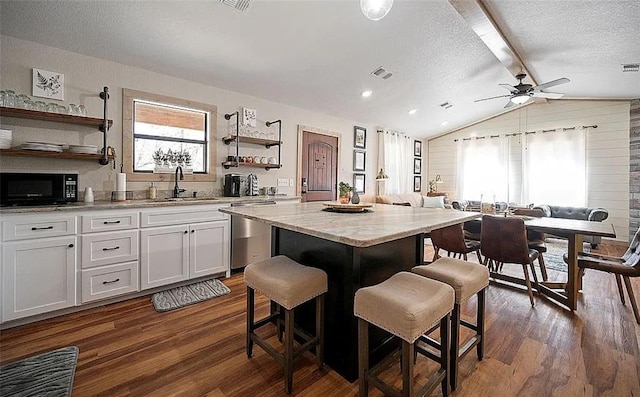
(104, 127)
(269, 124)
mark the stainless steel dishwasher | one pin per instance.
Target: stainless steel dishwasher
(250, 240)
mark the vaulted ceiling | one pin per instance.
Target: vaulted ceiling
(319, 55)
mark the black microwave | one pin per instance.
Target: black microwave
(37, 189)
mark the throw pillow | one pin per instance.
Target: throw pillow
(433, 202)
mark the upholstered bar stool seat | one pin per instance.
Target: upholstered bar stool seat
(406, 305)
(289, 284)
(467, 280)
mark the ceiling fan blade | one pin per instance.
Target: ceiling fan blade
(508, 105)
(551, 84)
(548, 95)
(493, 97)
(509, 87)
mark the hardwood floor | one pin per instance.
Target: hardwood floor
(127, 349)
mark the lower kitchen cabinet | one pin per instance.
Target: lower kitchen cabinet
(107, 281)
(175, 253)
(38, 276)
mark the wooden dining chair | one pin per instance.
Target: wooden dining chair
(451, 239)
(535, 239)
(504, 240)
(623, 268)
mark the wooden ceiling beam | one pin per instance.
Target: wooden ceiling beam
(480, 20)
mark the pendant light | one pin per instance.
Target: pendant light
(375, 9)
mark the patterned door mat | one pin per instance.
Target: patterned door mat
(47, 374)
(178, 297)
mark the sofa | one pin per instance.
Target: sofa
(413, 200)
(580, 213)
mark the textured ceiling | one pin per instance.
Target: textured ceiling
(318, 55)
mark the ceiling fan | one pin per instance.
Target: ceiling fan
(521, 93)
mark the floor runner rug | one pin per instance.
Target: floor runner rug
(177, 297)
(47, 374)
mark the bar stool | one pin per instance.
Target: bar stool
(289, 284)
(467, 279)
(406, 305)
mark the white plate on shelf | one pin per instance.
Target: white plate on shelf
(41, 146)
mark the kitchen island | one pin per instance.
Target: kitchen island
(356, 250)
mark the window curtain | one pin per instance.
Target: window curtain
(483, 169)
(554, 167)
(395, 156)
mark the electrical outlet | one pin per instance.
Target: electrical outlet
(291, 182)
(283, 182)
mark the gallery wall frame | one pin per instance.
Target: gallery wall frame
(359, 182)
(359, 137)
(417, 166)
(359, 160)
(417, 183)
(417, 148)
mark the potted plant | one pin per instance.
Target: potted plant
(345, 192)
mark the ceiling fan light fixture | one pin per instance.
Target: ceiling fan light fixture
(519, 99)
(375, 9)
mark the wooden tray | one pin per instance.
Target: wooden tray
(339, 207)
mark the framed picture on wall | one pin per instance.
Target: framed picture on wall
(359, 137)
(417, 183)
(359, 160)
(358, 182)
(417, 166)
(417, 148)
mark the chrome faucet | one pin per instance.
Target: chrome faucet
(176, 188)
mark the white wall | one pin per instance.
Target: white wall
(607, 150)
(84, 78)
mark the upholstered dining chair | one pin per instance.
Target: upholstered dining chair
(623, 268)
(504, 240)
(535, 238)
(451, 239)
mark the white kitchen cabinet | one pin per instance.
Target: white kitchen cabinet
(38, 276)
(164, 255)
(208, 248)
(107, 281)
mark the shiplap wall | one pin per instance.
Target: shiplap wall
(607, 150)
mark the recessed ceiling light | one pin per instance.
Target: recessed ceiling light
(444, 123)
(367, 93)
(413, 111)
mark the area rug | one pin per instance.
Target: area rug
(48, 374)
(177, 297)
(556, 248)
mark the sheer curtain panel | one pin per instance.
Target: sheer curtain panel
(483, 168)
(395, 156)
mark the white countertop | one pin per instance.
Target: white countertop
(382, 224)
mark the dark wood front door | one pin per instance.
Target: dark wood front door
(319, 166)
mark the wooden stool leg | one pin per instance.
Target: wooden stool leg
(543, 267)
(250, 320)
(480, 324)
(455, 345)
(444, 353)
(620, 291)
(363, 357)
(407, 368)
(528, 282)
(288, 350)
(632, 298)
(320, 330)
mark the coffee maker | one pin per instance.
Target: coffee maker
(233, 185)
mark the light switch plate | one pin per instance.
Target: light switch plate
(283, 182)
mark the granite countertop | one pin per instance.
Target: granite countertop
(381, 224)
(161, 202)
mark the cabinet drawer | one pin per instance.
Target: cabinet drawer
(109, 220)
(107, 281)
(28, 227)
(107, 248)
(181, 215)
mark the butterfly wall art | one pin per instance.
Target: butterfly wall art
(48, 84)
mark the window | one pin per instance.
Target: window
(160, 133)
(483, 169)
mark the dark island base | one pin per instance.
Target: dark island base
(348, 268)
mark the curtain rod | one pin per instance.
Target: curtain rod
(525, 133)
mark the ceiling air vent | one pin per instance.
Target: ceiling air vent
(240, 5)
(382, 73)
(446, 105)
(631, 67)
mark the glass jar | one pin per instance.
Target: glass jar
(21, 101)
(52, 107)
(10, 99)
(82, 111)
(40, 106)
(2, 96)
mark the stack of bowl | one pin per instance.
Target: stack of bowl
(5, 139)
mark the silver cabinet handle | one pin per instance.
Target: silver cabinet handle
(111, 282)
(111, 249)
(42, 228)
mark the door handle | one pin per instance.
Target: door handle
(304, 185)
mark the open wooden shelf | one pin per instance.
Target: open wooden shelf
(61, 118)
(57, 155)
(247, 139)
(228, 164)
